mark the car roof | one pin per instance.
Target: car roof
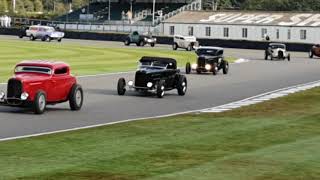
(160, 59)
(210, 47)
(42, 26)
(43, 63)
(272, 44)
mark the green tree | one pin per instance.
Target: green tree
(20, 8)
(38, 6)
(28, 5)
(3, 6)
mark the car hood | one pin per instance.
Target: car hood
(31, 77)
(150, 71)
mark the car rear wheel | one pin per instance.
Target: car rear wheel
(121, 88)
(182, 85)
(175, 46)
(76, 97)
(160, 89)
(225, 67)
(39, 103)
(310, 54)
(188, 68)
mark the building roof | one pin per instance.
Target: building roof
(247, 18)
(43, 63)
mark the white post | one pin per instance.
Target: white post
(14, 6)
(109, 11)
(153, 11)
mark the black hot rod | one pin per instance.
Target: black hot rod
(157, 75)
(210, 59)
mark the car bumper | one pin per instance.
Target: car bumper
(15, 102)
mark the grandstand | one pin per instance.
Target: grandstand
(97, 10)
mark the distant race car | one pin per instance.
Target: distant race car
(210, 59)
(277, 51)
(185, 42)
(314, 51)
(156, 75)
(38, 83)
(45, 33)
(140, 40)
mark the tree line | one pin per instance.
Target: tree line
(42, 8)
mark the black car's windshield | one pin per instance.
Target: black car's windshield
(152, 65)
(276, 46)
(207, 52)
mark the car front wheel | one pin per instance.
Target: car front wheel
(76, 97)
(188, 68)
(152, 44)
(32, 38)
(39, 103)
(289, 58)
(182, 85)
(214, 69)
(121, 88)
(160, 89)
(225, 67)
(175, 46)
(310, 54)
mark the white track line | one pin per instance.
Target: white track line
(245, 102)
(263, 97)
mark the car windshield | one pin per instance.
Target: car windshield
(207, 52)
(276, 46)
(152, 65)
(33, 69)
(50, 29)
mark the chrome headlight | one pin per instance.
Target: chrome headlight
(208, 67)
(145, 39)
(24, 96)
(2, 94)
(194, 66)
(149, 84)
(130, 83)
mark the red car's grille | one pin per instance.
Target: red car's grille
(14, 88)
(201, 62)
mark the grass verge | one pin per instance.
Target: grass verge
(84, 59)
(278, 139)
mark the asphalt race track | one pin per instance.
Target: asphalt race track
(103, 105)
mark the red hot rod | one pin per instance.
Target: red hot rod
(36, 84)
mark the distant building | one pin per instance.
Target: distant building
(252, 26)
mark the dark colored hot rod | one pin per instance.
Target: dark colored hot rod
(157, 75)
(210, 59)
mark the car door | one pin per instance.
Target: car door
(59, 84)
(135, 36)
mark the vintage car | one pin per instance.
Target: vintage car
(315, 51)
(210, 59)
(22, 31)
(140, 40)
(36, 84)
(185, 42)
(276, 51)
(156, 75)
(45, 33)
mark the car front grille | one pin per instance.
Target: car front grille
(141, 79)
(14, 88)
(201, 62)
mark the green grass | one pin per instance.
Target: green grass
(84, 60)
(278, 139)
